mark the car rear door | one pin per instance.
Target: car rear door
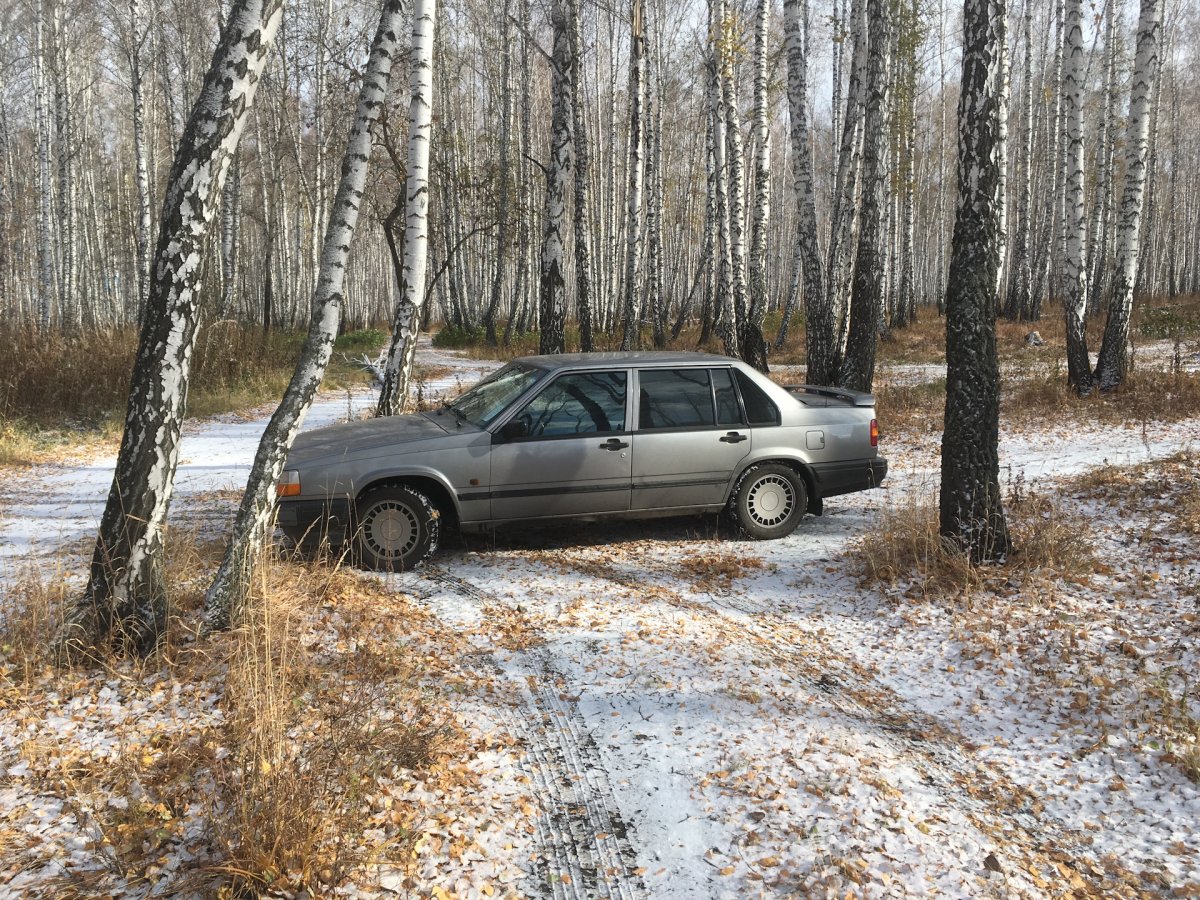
(572, 456)
(690, 437)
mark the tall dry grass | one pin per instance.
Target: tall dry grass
(907, 552)
(321, 708)
(56, 387)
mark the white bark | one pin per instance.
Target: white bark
(1113, 364)
(398, 369)
(631, 289)
(1074, 218)
(126, 594)
(137, 38)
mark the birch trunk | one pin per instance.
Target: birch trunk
(972, 516)
(631, 289)
(736, 161)
(552, 279)
(817, 307)
(126, 596)
(505, 100)
(228, 590)
(70, 307)
(844, 207)
(397, 371)
(754, 347)
(141, 166)
(1113, 365)
(583, 254)
(866, 305)
(1020, 287)
(46, 282)
(1079, 371)
(1105, 153)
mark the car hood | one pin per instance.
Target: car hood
(367, 435)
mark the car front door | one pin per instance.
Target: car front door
(567, 451)
(690, 437)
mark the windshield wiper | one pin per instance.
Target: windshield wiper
(459, 415)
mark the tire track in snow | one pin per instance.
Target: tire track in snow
(940, 755)
(580, 831)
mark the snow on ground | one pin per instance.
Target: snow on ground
(690, 715)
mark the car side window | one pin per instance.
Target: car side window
(675, 398)
(580, 403)
(759, 408)
(728, 410)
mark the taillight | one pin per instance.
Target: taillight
(874, 432)
(289, 484)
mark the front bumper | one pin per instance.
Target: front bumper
(836, 478)
(310, 523)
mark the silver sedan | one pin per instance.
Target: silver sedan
(582, 436)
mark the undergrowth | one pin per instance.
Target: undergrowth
(60, 389)
(284, 734)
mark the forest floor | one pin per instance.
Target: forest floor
(655, 709)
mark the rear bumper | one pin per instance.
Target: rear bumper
(312, 522)
(836, 478)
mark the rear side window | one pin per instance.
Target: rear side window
(759, 408)
(675, 398)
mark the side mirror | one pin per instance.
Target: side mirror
(517, 428)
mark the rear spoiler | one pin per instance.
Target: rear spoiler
(845, 395)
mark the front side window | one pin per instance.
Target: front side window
(582, 403)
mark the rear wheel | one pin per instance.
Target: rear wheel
(397, 527)
(769, 502)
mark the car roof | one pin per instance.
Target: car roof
(641, 358)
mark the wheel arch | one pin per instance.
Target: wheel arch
(430, 485)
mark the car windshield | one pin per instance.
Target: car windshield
(483, 403)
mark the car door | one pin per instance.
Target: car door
(690, 437)
(566, 452)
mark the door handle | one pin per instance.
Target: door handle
(733, 438)
(613, 444)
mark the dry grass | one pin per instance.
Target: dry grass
(313, 732)
(907, 552)
(321, 707)
(58, 390)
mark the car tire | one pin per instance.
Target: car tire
(768, 502)
(396, 527)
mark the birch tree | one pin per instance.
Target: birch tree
(397, 370)
(1113, 365)
(971, 513)
(552, 281)
(817, 308)
(866, 303)
(753, 346)
(631, 289)
(126, 595)
(228, 590)
(1079, 367)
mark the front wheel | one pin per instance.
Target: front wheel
(397, 527)
(769, 502)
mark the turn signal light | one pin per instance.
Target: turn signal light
(289, 484)
(874, 434)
